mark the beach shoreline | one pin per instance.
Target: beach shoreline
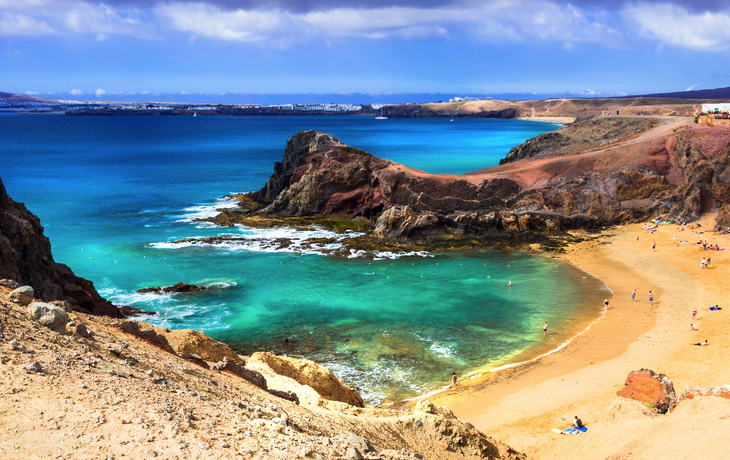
(561, 120)
(538, 395)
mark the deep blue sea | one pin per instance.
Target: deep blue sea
(113, 193)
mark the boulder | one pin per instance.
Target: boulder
(148, 335)
(425, 406)
(306, 372)
(250, 375)
(10, 284)
(187, 341)
(23, 295)
(288, 395)
(650, 388)
(695, 392)
(49, 315)
(175, 288)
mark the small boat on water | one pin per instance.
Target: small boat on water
(381, 117)
(195, 114)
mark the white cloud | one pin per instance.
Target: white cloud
(516, 20)
(31, 93)
(692, 87)
(99, 92)
(676, 26)
(75, 92)
(20, 24)
(15, 53)
(43, 17)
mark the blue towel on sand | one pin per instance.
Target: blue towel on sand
(582, 429)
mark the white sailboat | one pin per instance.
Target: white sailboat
(195, 114)
(452, 117)
(381, 117)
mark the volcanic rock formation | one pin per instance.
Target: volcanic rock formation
(589, 174)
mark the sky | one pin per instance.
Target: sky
(237, 50)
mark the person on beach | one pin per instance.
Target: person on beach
(693, 327)
(651, 298)
(633, 296)
(700, 344)
(605, 303)
(544, 330)
(708, 264)
(702, 263)
(453, 379)
(578, 423)
(653, 246)
(694, 313)
(510, 283)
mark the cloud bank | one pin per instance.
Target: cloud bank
(292, 23)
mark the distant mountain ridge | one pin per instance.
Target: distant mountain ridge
(717, 93)
(22, 98)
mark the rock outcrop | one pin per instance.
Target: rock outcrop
(588, 175)
(175, 288)
(650, 388)
(188, 341)
(311, 374)
(25, 256)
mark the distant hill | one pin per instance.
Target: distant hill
(718, 93)
(23, 98)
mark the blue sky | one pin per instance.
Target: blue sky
(139, 49)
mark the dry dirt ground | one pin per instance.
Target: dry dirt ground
(113, 395)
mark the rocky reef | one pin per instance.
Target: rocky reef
(25, 257)
(588, 175)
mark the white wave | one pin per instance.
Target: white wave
(265, 240)
(122, 297)
(380, 255)
(442, 351)
(205, 211)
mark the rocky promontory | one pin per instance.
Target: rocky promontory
(588, 175)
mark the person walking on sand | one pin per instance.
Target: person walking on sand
(633, 296)
(702, 263)
(544, 330)
(708, 264)
(651, 298)
(694, 313)
(605, 303)
(453, 379)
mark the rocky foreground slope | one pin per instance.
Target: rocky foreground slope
(590, 174)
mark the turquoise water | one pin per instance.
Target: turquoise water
(114, 193)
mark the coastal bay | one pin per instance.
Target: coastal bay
(521, 405)
(267, 291)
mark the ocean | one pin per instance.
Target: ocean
(114, 193)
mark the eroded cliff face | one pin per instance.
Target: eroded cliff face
(588, 175)
(25, 256)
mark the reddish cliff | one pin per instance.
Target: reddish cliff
(587, 175)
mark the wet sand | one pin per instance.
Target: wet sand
(520, 405)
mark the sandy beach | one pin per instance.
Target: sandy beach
(521, 405)
(565, 120)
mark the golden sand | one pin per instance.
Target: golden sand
(521, 405)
